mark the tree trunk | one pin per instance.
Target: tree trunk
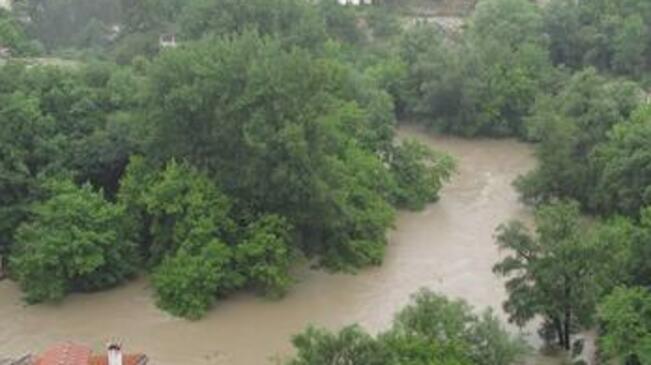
(559, 331)
(567, 329)
(568, 315)
(2, 266)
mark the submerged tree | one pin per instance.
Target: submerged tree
(419, 173)
(554, 273)
(265, 255)
(430, 330)
(76, 241)
(188, 282)
(282, 132)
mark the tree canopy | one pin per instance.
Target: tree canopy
(571, 126)
(267, 134)
(76, 240)
(431, 329)
(255, 142)
(558, 273)
(626, 318)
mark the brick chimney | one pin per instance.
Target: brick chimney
(114, 350)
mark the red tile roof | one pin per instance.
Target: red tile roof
(72, 354)
(65, 354)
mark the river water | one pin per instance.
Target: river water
(449, 247)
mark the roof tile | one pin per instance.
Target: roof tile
(65, 354)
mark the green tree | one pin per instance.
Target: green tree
(188, 282)
(419, 174)
(351, 345)
(484, 81)
(58, 120)
(561, 20)
(273, 130)
(623, 162)
(60, 24)
(631, 45)
(608, 34)
(73, 112)
(570, 126)
(554, 273)
(265, 255)
(384, 21)
(452, 333)
(340, 21)
(625, 316)
(25, 153)
(640, 252)
(292, 22)
(148, 15)
(13, 36)
(175, 207)
(356, 219)
(430, 330)
(75, 241)
(515, 22)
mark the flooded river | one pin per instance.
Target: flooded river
(448, 247)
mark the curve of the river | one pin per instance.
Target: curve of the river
(448, 247)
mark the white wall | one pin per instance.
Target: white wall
(5, 4)
(355, 2)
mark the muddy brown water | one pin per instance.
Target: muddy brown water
(448, 247)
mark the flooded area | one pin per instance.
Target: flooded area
(449, 247)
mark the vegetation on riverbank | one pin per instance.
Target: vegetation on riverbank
(214, 165)
(268, 134)
(429, 330)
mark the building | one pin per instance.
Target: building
(167, 40)
(355, 2)
(75, 354)
(6, 4)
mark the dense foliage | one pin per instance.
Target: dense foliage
(76, 240)
(623, 161)
(56, 120)
(293, 22)
(612, 35)
(74, 23)
(626, 317)
(430, 330)
(569, 267)
(226, 158)
(187, 283)
(14, 37)
(286, 132)
(554, 273)
(268, 134)
(483, 81)
(592, 136)
(571, 125)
